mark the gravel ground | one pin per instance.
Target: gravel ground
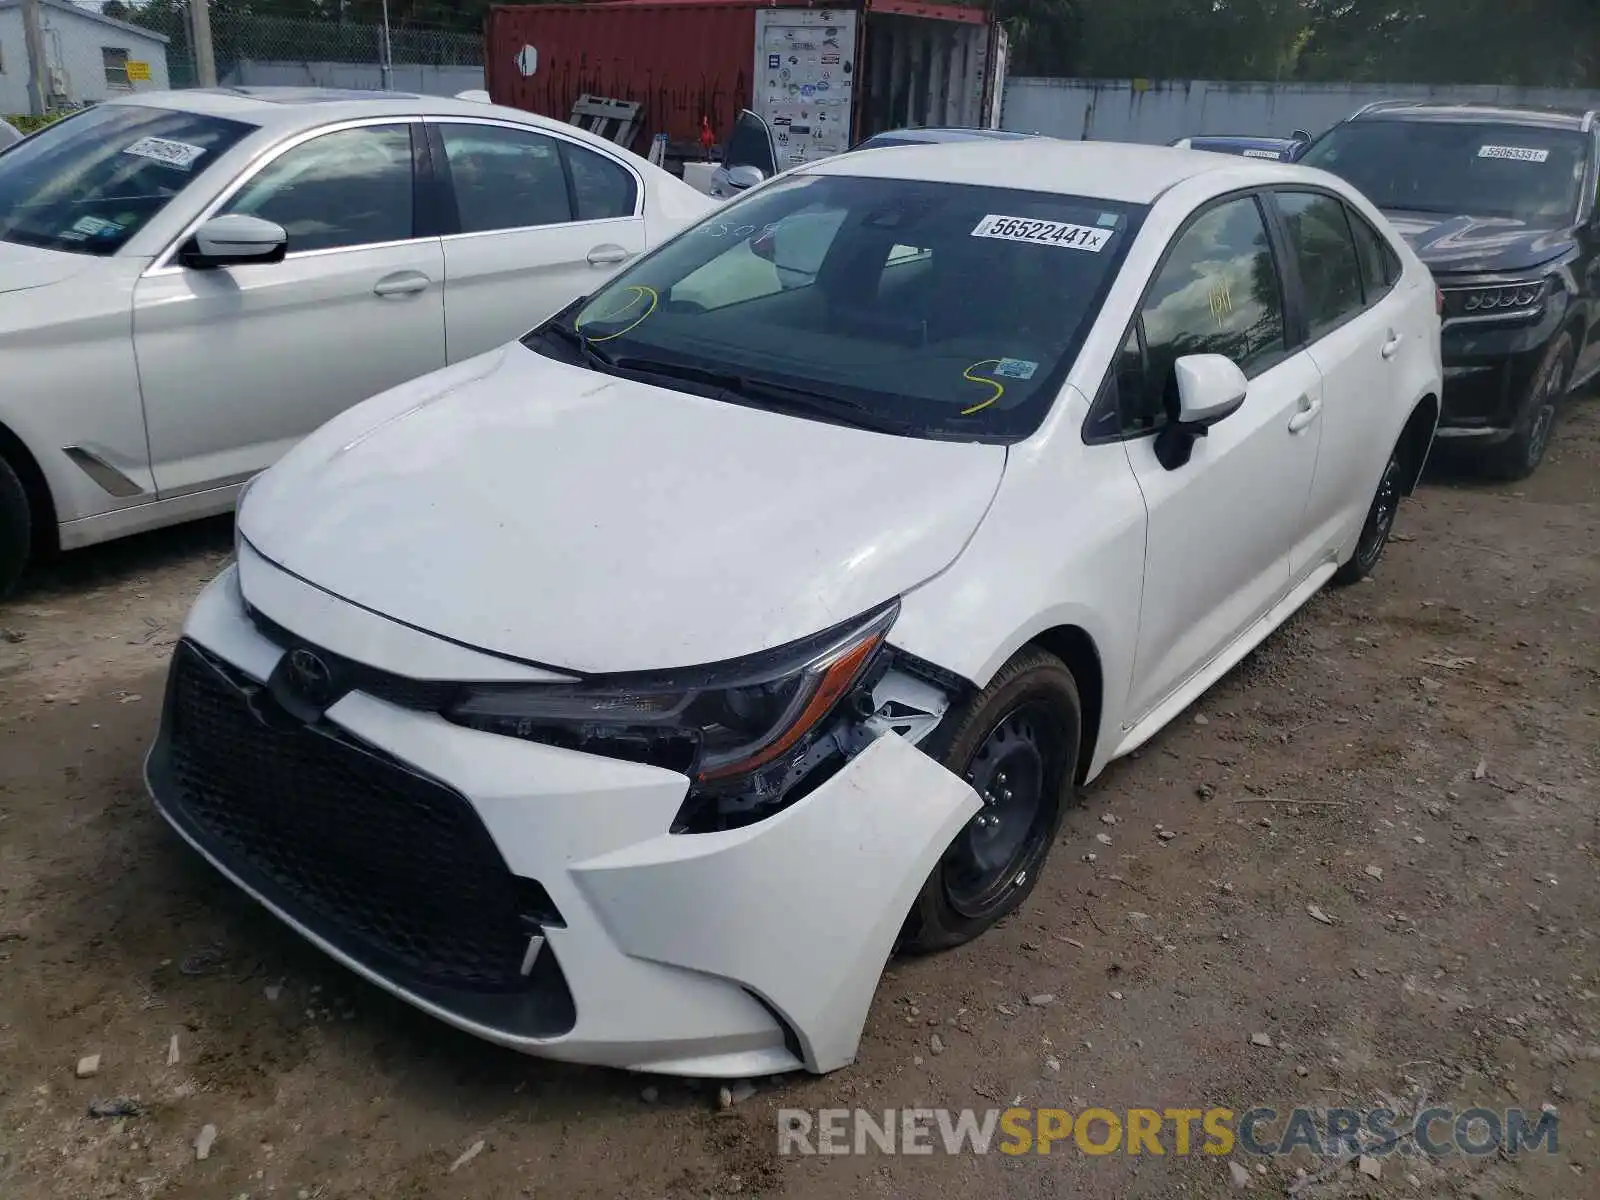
(1414, 758)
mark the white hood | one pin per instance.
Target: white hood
(31, 266)
(580, 521)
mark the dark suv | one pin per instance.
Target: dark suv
(1501, 205)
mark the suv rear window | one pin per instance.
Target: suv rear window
(1521, 172)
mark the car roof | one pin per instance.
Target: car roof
(1119, 171)
(1242, 139)
(1492, 114)
(950, 133)
(290, 108)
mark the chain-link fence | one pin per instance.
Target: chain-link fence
(239, 41)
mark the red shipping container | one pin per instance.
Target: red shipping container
(685, 61)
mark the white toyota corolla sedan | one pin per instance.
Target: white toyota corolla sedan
(627, 693)
(191, 281)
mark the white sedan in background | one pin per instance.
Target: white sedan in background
(624, 694)
(192, 281)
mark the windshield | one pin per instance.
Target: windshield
(1515, 171)
(931, 309)
(91, 182)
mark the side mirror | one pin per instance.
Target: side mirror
(234, 240)
(743, 178)
(1210, 387)
(1300, 135)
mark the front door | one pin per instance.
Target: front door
(236, 364)
(1222, 527)
(538, 221)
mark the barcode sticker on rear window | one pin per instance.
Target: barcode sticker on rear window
(169, 153)
(1043, 233)
(1517, 153)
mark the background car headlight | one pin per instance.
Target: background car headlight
(1498, 298)
(717, 724)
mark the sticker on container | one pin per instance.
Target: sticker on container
(168, 153)
(774, 61)
(1015, 368)
(1515, 153)
(1042, 233)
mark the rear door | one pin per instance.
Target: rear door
(533, 221)
(236, 364)
(1354, 320)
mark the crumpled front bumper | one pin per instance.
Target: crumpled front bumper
(748, 951)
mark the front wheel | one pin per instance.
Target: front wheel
(16, 528)
(1519, 455)
(1016, 743)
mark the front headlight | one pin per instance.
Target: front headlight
(718, 725)
(1504, 298)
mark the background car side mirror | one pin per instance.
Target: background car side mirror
(742, 178)
(1210, 387)
(234, 240)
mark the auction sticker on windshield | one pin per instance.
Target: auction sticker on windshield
(169, 153)
(1043, 233)
(1518, 153)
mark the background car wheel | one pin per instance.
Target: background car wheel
(1016, 742)
(1520, 455)
(1378, 525)
(16, 526)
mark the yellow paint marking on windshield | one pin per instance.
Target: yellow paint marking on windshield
(640, 292)
(999, 388)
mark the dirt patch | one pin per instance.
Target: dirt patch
(1415, 758)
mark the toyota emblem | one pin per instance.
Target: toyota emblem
(309, 677)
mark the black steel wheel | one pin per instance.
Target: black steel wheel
(1378, 526)
(1016, 742)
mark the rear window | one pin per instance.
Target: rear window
(90, 182)
(947, 310)
(1519, 172)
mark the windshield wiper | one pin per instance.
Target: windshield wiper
(592, 357)
(779, 397)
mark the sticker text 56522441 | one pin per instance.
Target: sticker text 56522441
(1043, 233)
(1516, 153)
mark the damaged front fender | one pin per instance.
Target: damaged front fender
(802, 909)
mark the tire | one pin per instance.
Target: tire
(1376, 528)
(16, 529)
(1519, 455)
(1017, 742)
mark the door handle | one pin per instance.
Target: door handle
(1392, 346)
(608, 255)
(401, 283)
(1310, 409)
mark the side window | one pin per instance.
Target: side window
(1217, 293)
(1330, 271)
(351, 187)
(601, 189)
(1380, 268)
(505, 178)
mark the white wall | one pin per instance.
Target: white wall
(424, 80)
(1161, 112)
(13, 63)
(73, 44)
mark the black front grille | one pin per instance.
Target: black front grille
(395, 868)
(423, 695)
